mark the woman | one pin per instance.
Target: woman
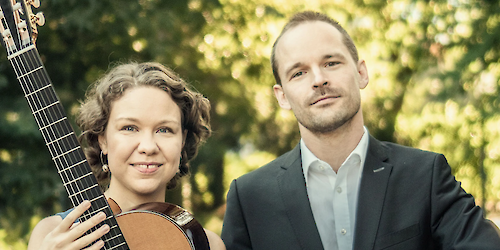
(141, 126)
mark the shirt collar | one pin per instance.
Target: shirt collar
(309, 158)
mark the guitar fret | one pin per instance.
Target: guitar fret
(59, 139)
(114, 227)
(123, 243)
(65, 153)
(77, 179)
(97, 198)
(20, 52)
(46, 107)
(62, 155)
(69, 174)
(58, 121)
(29, 73)
(116, 236)
(30, 93)
(83, 191)
(46, 110)
(70, 167)
(100, 209)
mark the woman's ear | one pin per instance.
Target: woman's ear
(103, 143)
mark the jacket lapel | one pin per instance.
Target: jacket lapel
(293, 189)
(371, 196)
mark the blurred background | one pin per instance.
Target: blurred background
(434, 71)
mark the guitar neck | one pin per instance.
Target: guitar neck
(62, 142)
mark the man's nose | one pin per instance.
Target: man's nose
(320, 79)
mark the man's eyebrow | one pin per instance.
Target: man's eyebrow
(291, 68)
(339, 55)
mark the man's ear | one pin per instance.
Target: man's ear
(363, 74)
(281, 97)
(103, 143)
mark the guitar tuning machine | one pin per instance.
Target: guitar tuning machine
(34, 3)
(39, 19)
(17, 7)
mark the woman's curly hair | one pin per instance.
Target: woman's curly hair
(94, 112)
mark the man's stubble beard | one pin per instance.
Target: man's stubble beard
(321, 125)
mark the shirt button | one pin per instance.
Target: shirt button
(321, 167)
(343, 231)
(339, 190)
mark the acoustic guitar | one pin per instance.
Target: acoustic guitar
(150, 226)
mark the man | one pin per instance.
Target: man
(340, 188)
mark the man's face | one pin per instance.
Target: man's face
(320, 80)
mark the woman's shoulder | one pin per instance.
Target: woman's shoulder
(215, 241)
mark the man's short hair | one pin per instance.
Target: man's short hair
(308, 16)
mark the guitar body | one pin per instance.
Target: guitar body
(150, 226)
(161, 226)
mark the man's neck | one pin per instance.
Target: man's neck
(333, 147)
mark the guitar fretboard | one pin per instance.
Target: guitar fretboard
(62, 142)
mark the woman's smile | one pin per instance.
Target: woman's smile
(147, 168)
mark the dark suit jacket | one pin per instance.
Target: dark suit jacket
(408, 199)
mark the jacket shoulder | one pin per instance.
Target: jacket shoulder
(271, 169)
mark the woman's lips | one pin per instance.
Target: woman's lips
(146, 168)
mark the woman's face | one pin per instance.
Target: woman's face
(143, 141)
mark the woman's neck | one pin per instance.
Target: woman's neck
(127, 201)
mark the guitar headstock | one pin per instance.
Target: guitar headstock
(19, 24)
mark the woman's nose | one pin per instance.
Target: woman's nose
(147, 144)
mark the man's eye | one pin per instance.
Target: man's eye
(297, 74)
(331, 63)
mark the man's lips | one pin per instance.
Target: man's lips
(324, 98)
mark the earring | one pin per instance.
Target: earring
(105, 167)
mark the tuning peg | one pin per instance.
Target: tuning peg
(22, 25)
(39, 19)
(34, 3)
(6, 33)
(16, 7)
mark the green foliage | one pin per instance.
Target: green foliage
(434, 71)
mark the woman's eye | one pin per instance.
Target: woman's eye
(164, 130)
(128, 128)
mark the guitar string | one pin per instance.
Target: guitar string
(34, 100)
(93, 192)
(50, 143)
(47, 133)
(53, 147)
(64, 153)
